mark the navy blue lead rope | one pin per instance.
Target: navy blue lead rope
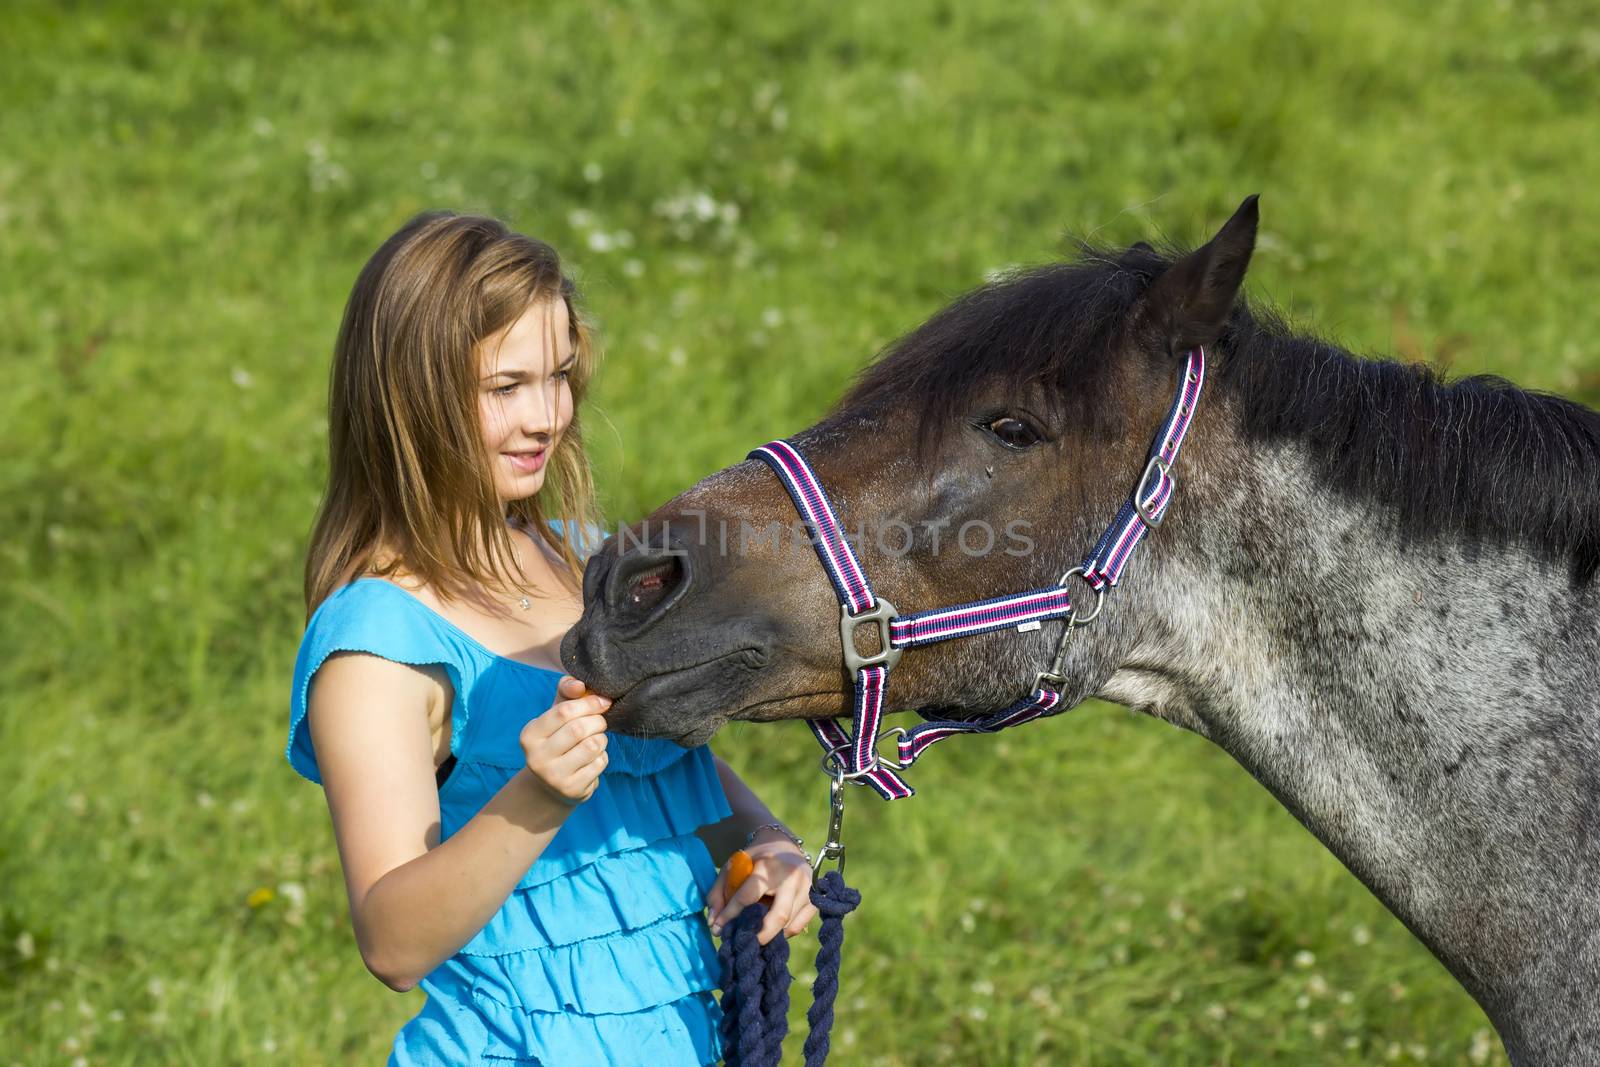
(755, 981)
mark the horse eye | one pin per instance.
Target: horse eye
(1014, 432)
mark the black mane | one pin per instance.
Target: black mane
(1478, 455)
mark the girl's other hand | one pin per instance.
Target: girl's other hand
(565, 747)
(780, 878)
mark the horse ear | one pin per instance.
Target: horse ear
(1190, 301)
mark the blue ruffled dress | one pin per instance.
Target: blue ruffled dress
(601, 955)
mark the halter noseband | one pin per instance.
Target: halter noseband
(853, 755)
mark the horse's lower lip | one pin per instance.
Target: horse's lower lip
(622, 697)
(743, 715)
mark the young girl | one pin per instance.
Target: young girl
(542, 880)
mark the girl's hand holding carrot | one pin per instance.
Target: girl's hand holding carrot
(772, 870)
(565, 747)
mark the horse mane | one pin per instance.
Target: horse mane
(1478, 456)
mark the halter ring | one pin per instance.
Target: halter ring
(1099, 599)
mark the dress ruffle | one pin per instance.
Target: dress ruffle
(658, 1035)
(617, 975)
(615, 894)
(625, 812)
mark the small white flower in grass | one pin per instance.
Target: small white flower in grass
(25, 947)
(115, 1015)
(968, 923)
(1304, 959)
(600, 241)
(1216, 1012)
(772, 318)
(633, 268)
(269, 1044)
(80, 1061)
(1123, 926)
(78, 804)
(1352, 1043)
(1397, 991)
(677, 357)
(205, 800)
(1040, 995)
(977, 1013)
(294, 892)
(242, 378)
(780, 118)
(1416, 1051)
(580, 218)
(592, 172)
(1176, 910)
(1360, 935)
(1482, 1046)
(261, 126)
(1302, 1002)
(156, 988)
(1347, 998)
(983, 987)
(1317, 986)
(1393, 1052)
(86, 1009)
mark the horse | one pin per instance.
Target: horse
(1376, 589)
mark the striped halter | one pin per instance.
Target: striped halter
(853, 755)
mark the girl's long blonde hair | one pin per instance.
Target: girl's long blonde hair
(408, 474)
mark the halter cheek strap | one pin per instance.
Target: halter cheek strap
(852, 754)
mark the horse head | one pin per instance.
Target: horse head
(981, 454)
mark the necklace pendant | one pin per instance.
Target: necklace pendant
(524, 603)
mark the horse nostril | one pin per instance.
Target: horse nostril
(645, 582)
(645, 590)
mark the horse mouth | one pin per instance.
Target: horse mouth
(658, 704)
(823, 704)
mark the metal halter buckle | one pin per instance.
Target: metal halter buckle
(887, 654)
(1152, 519)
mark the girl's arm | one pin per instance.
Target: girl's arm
(723, 838)
(414, 901)
(781, 877)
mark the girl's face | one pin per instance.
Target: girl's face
(524, 400)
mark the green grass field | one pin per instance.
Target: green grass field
(756, 199)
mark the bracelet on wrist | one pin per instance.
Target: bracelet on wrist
(782, 829)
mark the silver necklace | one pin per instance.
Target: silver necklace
(525, 604)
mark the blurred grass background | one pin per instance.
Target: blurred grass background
(756, 198)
